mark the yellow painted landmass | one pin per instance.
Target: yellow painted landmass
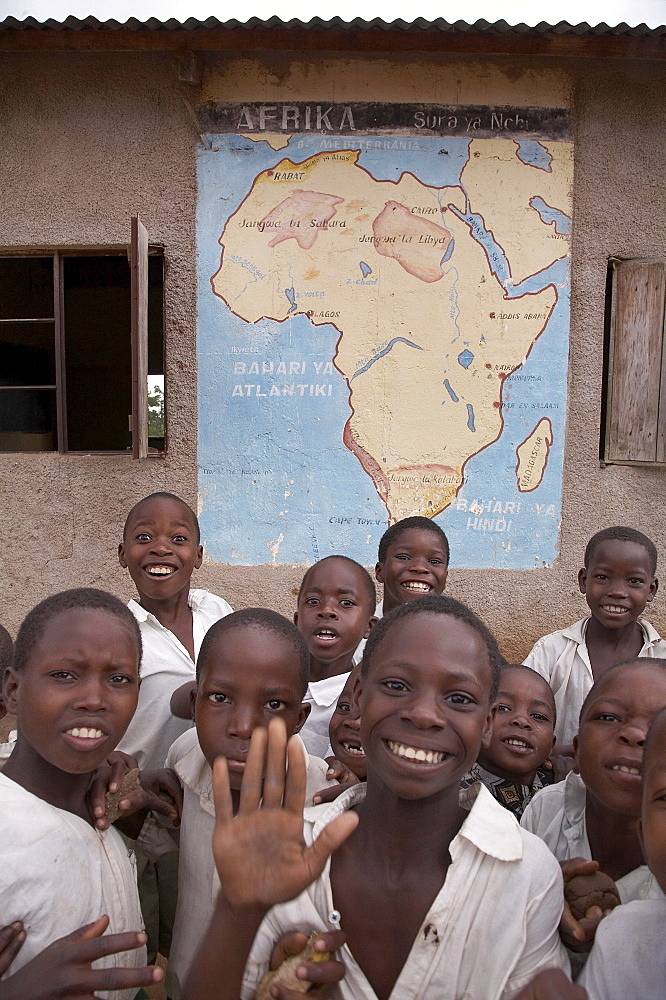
(276, 140)
(425, 360)
(532, 456)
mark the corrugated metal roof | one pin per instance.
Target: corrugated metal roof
(358, 24)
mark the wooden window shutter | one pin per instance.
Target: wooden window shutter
(636, 391)
(139, 268)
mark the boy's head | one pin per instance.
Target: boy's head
(618, 578)
(344, 729)
(74, 681)
(523, 725)
(161, 546)
(652, 824)
(428, 679)
(413, 560)
(6, 653)
(614, 722)
(336, 604)
(252, 665)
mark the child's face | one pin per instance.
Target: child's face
(618, 583)
(77, 693)
(415, 564)
(250, 676)
(522, 734)
(344, 729)
(160, 548)
(653, 815)
(425, 705)
(609, 745)
(333, 611)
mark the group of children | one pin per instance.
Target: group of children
(377, 774)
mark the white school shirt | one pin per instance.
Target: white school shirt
(165, 666)
(198, 882)
(628, 959)
(57, 873)
(557, 815)
(491, 928)
(563, 660)
(322, 696)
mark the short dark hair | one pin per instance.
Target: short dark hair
(435, 604)
(81, 598)
(655, 661)
(165, 496)
(6, 651)
(531, 670)
(368, 584)
(621, 534)
(267, 621)
(418, 522)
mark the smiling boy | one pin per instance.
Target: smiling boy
(618, 580)
(335, 611)
(440, 896)
(73, 687)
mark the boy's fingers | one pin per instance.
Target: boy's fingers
(294, 793)
(89, 950)
(276, 760)
(288, 945)
(252, 787)
(11, 942)
(120, 979)
(330, 793)
(321, 973)
(224, 810)
(330, 838)
(89, 931)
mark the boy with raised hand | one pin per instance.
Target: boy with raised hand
(618, 580)
(334, 613)
(591, 819)
(423, 882)
(161, 548)
(253, 666)
(628, 958)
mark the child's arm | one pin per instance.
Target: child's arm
(181, 700)
(260, 855)
(11, 941)
(552, 984)
(64, 968)
(342, 774)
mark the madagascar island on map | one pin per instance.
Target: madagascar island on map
(383, 331)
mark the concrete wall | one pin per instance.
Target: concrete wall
(91, 138)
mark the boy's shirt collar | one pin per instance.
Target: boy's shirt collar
(326, 691)
(492, 829)
(194, 600)
(577, 631)
(511, 795)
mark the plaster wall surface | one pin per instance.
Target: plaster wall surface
(91, 138)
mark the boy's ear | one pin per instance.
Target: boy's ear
(303, 713)
(488, 727)
(582, 579)
(379, 573)
(11, 682)
(372, 621)
(654, 587)
(575, 764)
(199, 558)
(295, 617)
(121, 555)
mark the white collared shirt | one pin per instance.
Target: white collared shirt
(557, 815)
(563, 660)
(165, 666)
(491, 928)
(322, 696)
(58, 873)
(628, 960)
(198, 882)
